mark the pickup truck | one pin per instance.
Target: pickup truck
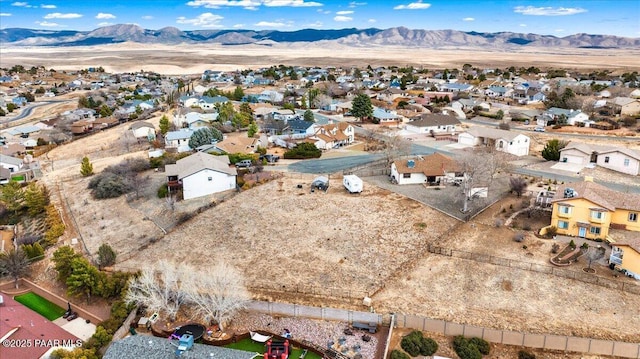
(269, 157)
(244, 164)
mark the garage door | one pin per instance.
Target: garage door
(571, 159)
(465, 139)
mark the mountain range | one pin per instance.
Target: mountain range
(397, 36)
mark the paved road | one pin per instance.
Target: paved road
(558, 134)
(331, 165)
(568, 178)
(26, 111)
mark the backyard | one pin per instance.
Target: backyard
(40, 305)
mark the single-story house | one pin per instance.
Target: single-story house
(178, 139)
(385, 116)
(13, 164)
(498, 91)
(455, 87)
(239, 144)
(618, 159)
(301, 127)
(625, 105)
(504, 141)
(201, 174)
(142, 129)
(435, 168)
(434, 124)
(144, 346)
(572, 117)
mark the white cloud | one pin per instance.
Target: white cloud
(21, 4)
(559, 30)
(344, 12)
(418, 5)
(106, 23)
(272, 24)
(251, 4)
(372, 21)
(326, 12)
(5, 14)
(293, 3)
(341, 18)
(523, 25)
(354, 4)
(59, 15)
(147, 17)
(238, 26)
(104, 16)
(47, 24)
(205, 20)
(548, 11)
(315, 24)
(468, 19)
(48, 6)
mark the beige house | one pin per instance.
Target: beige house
(625, 105)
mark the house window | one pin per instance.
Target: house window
(564, 209)
(210, 179)
(406, 175)
(633, 217)
(606, 159)
(626, 162)
(563, 225)
(597, 215)
(594, 230)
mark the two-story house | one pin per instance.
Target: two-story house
(178, 139)
(588, 210)
(334, 135)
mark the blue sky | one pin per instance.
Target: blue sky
(559, 18)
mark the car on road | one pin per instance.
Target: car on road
(244, 164)
(269, 158)
(539, 129)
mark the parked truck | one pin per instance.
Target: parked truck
(352, 183)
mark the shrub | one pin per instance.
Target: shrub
(415, 344)
(303, 151)
(526, 355)
(464, 349)
(584, 245)
(397, 354)
(552, 230)
(482, 345)
(472, 348)
(555, 248)
(572, 244)
(106, 255)
(163, 191)
(108, 185)
(518, 237)
(498, 223)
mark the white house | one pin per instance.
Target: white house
(385, 116)
(178, 139)
(433, 123)
(435, 168)
(13, 164)
(201, 174)
(617, 159)
(334, 135)
(504, 141)
(144, 130)
(571, 116)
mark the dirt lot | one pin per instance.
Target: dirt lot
(281, 235)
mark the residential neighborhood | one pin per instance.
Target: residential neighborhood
(511, 175)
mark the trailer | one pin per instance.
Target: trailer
(352, 183)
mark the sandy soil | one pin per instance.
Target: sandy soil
(189, 59)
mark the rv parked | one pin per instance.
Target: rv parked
(352, 183)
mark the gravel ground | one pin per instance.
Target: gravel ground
(316, 331)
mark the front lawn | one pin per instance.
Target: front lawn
(40, 305)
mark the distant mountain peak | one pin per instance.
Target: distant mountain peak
(397, 36)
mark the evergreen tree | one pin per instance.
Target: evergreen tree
(86, 168)
(361, 107)
(551, 151)
(164, 125)
(253, 129)
(36, 198)
(84, 278)
(106, 255)
(238, 93)
(205, 136)
(308, 116)
(62, 259)
(12, 196)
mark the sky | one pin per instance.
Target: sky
(558, 18)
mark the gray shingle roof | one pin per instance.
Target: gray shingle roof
(197, 162)
(142, 346)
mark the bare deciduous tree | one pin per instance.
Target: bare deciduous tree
(594, 254)
(479, 169)
(219, 294)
